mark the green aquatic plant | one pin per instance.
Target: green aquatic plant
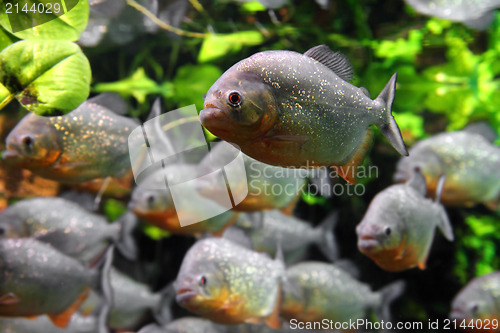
(478, 243)
(44, 70)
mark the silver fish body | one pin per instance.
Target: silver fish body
(292, 234)
(227, 283)
(186, 325)
(268, 186)
(36, 279)
(152, 201)
(130, 302)
(289, 109)
(66, 226)
(474, 13)
(323, 291)
(42, 324)
(398, 228)
(86, 144)
(468, 160)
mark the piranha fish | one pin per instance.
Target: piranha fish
(229, 284)
(297, 110)
(269, 187)
(42, 324)
(476, 14)
(68, 227)
(469, 161)
(131, 301)
(185, 325)
(292, 233)
(89, 143)
(36, 279)
(324, 291)
(479, 300)
(155, 205)
(398, 227)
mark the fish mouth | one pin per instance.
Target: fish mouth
(184, 295)
(10, 155)
(456, 315)
(214, 119)
(368, 243)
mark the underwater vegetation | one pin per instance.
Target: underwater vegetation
(348, 87)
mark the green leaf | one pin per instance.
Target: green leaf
(192, 82)
(253, 7)
(5, 39)
(154, 232)
(66, 24)
(218, 45)
(113, 209)
(138, 85)
(47, 77)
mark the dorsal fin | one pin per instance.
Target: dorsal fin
(482, 128)
(417, 181)
(336, 61)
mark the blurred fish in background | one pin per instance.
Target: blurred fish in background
(398, 228)
(468, 159)
(476, 304)
(476, 14)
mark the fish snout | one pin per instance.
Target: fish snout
(367, 240)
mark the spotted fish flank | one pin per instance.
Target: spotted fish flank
(467, 158)
(301, 115)
(68, 227)
(324, 291)
(36, 279)
(86, 144)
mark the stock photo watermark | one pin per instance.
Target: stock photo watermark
(178, 136)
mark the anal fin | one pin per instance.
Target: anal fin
(9, 299)
(349, 170)
(62, 319)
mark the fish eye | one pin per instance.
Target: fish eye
(234, 98)
(204, 96)
(2, 231)
(387, 231)
(474, 308)
(150, 199)
(203, 281)
(28, 142)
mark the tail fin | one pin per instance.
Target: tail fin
(163, 312)
(388, 295)
(105, 290)
(386, 123)
(328, 245)
(126, 244)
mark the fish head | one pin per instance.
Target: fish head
(146, 201)
(239, 107)
(201, 286)
(381, 229)
(32, 143)
(475, 301)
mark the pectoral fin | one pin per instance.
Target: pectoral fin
(349, 170)
(62, 319)
(273, 320)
